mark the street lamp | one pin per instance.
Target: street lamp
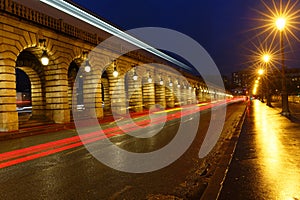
(261, 72)
(282, 17)
(266, 59)
(280, 25)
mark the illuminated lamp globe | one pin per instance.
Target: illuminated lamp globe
(44, 58)
(135, 77)
(115, 73)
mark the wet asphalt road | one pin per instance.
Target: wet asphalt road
(266, 163)
(76, 174)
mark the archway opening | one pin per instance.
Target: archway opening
(75, 98)
(23, 88)
(106, 101)
(30, 89)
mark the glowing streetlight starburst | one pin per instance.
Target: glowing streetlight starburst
(261, 71)
(264, 55)
(279, 17)
(266, 58)
(280, 23)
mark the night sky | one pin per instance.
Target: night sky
(221, 27)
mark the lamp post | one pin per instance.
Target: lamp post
(280, 24)
(261, 72)
(266, 59)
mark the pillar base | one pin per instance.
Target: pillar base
(59, 116)
(9, 121)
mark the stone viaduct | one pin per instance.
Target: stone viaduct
(25, 34)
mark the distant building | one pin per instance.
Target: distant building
(293, 81)
(227, 83)
(241, 82)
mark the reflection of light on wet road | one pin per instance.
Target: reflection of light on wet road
(277, 156)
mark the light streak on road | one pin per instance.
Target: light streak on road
(34, 152)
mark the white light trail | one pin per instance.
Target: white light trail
(94, 21)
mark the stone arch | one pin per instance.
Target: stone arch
(29, 63)
(11, 48)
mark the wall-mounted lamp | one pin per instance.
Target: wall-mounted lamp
(87, 66)
(178, 84)
(161, 82)
(44, 58)
(149, 78)
(135, 76)
(115, 72)
(170, 82)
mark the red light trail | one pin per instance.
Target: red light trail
(34, 152)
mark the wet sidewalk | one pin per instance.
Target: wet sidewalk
(266, 162)
(294, 108)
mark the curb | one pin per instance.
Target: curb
(218, 174)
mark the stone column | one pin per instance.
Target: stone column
(190, 95)
(148, 93)
(208, 95)
(117, 92)
(177, 94)
(200, 94)
(92, 94)
(194, 95)
(160, 95)
(8, 110)
(70, 94)
(135, 93)
(197, 91)
(56, 88)
(170, 103)
(184, 95)
(37, 99)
